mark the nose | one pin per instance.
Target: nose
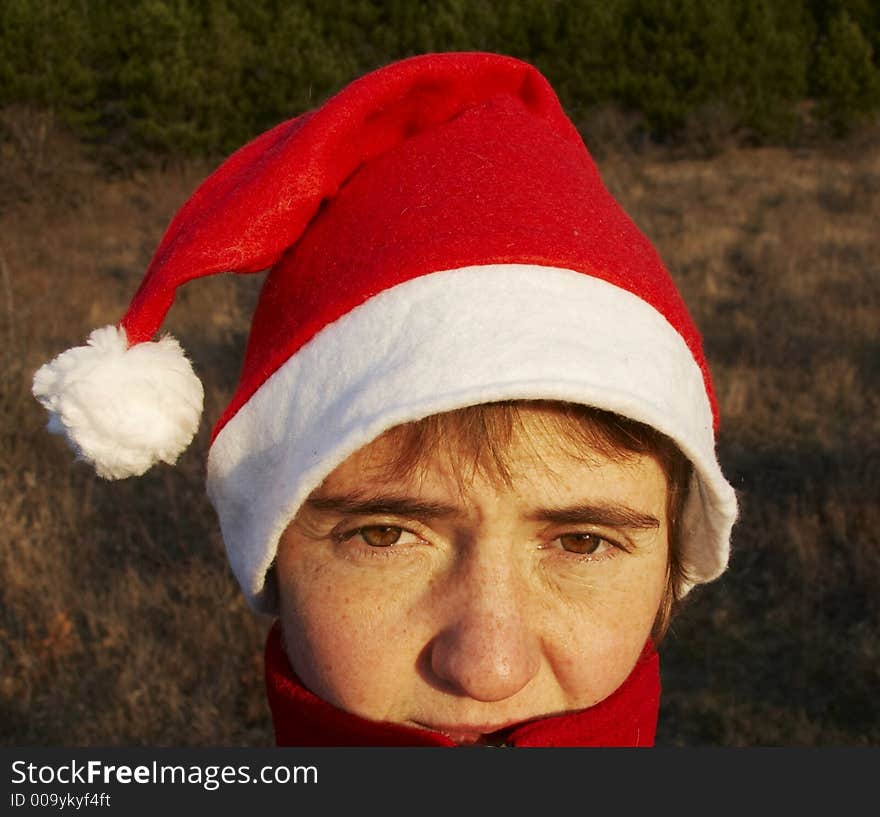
(487, 647)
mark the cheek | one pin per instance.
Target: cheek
(600, 635)
(337, 627)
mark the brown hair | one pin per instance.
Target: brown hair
(476, 439)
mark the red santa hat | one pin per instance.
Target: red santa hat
(436, 236)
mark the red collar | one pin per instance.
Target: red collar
(627, 717)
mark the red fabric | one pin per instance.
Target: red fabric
(247, 213)
(431, 163)
(628, 717)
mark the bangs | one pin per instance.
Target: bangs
(477, 440)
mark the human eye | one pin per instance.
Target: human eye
(378, 536)
(590, 545)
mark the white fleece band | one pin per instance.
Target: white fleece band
(422, 347)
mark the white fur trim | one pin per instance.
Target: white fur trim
(122, 409)
(420, 348)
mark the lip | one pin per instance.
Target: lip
(467, 733)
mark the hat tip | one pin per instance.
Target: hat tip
(122, 408)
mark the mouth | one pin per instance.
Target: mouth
(471, 734)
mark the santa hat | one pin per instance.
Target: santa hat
(436, 236)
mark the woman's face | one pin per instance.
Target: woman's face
(464, 610)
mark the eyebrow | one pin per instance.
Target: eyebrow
(357, 505)
(613, 516)
(587, 513)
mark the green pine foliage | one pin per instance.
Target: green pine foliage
(45, 59)
(847, 78)
(198, 78)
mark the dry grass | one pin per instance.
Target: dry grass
(120, 622)
(778, 254)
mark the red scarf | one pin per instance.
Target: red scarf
(627, 717)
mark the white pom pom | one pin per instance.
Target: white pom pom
(122, 408)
